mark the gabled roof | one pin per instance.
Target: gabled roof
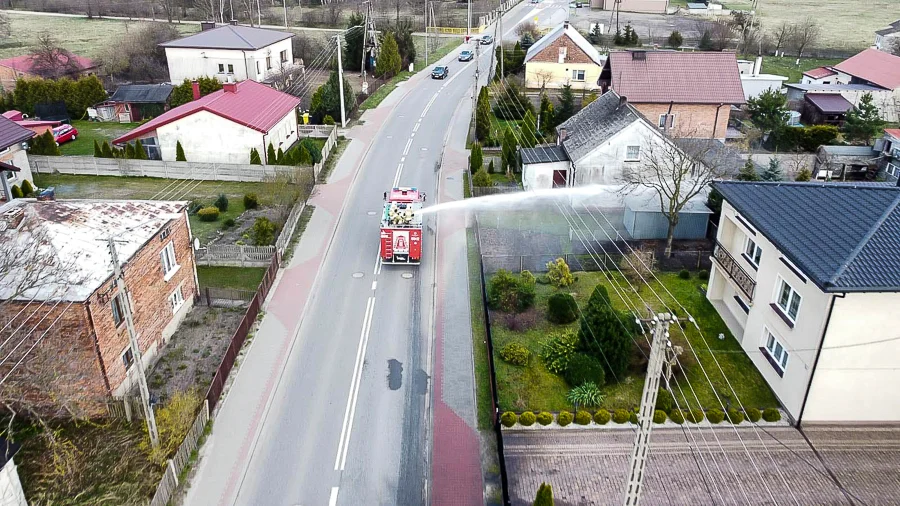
(892, 29)
(893, 132)
(143, 93)
(874, 66)
(853, 250)
(25, 63)
(672, 76)
(543, 154)
(253, 105)
(829, 103)
(595, 124)
(230, 37)
(11, 133)
(569, 31)
(820, 72)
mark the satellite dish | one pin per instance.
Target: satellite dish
(196, 244)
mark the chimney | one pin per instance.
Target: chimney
(757, 65)
(562, 134)
(233, 22)
(622, 100)
(230, 86)
(195, 87)
(207, 25)
(566, 24)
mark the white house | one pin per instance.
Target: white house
(232, 50)
(756, 83)
(223, 126)
(14, 167)
(807, 278)
(11, 493)
(888, 38)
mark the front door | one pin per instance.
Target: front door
(559, 179)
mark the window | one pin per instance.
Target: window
(892, 170)
(258, 71)
(663, 118)
(165, 233)
(127, 358)
(578, 75)
(230, 68)
(632, 153)
(776, 351)
(283, 55)
(268, 63)
(221, 68)
(176, 299)
(167, 257)
(788, 300)
(752, 252)
(118, 311)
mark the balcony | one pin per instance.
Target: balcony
(734, 270)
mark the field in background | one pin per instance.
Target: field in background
(849, 24)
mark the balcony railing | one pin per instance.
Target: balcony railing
(734, 270)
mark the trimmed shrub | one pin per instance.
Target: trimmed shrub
(665, 401)
(179, 152)
(602, 417)
(209, 213)
(676, 416)
(583, 369)
(222, 202)
(327, 120)
(509, 293)
(715, 415)
(659, 416)
(558, 350)
(621, 416)
(583, 418)
(263, 231)
(508, 419)
(684, 274)
(735, 416)
(633, 418)
(482, 179)
(527, 419)
(771, 415)
(704, 275)
(515, 354)
(98, 153)
(255, 159)
(228, 223)
(251, 201)
(545, 418)
(16, 192)
(562, 308)
(697, 415)
(27, 188)
(559, 274)
(753, 414)
(564, 418)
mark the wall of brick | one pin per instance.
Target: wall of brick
(691, 120)
(574, 54)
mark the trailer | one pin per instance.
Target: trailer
(401, 226)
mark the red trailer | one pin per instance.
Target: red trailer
(401, 226)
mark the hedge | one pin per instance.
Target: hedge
(753, 414)
(527, 419)
(676, 416)
(620, 416)
(735, 416)
(209, 213)
(659, 416)
(694, 415)
(602, 417)
(508, 419)
(564, 418)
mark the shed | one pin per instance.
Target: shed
(645, 220)
(825, 108)
(136, 102)
(544, 167)
(846, 163)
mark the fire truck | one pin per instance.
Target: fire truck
(401, 226)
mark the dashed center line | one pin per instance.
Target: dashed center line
(374, 284)
(332, 501)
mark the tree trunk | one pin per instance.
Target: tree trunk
(670, 235)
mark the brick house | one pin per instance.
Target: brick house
(79, 335)
(562, 56)
(690, 93)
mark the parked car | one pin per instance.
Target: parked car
(487, 40)
(466, 55)
(440, 72)
(64, 133)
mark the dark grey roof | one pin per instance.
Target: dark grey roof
(230, 37)
(714, 153)
(12, 133)
(143, 93)
(854, 151)
(893, 28)
(595, 124)
(845, 237)
(543, 154)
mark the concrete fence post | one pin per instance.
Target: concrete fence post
(171, 469)
(126, 402)
(96, 168)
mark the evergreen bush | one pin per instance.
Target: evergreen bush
(771, 415)
(545, 418)
(515, 354)
(16, 192)
(703, 275)
(676, 416)
(602, 417)
(684, 274)
(209, 213)
(753, 414)
(583, 418)
(263, 231)
(564, 418)
(527, 419)
(659, 416)
(735, 416)
(508, 419)
(583, 369)
(558, 350)
(251, 201)
(27, 188)
(179, 152)
(562, 308)
(222, 202)
(620, 416)
(665, 401)
(715, 415)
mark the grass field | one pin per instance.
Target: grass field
(238, 278)
(846, 24)
(787, 66)
(90, 131)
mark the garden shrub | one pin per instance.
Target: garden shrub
(251, 201)
(509, 293)
(621, 416)
(633, 418)
(328, 120)
(559, 274)
(587, 394)
(263, 231)
(603, 334)
(735, 416)
(753, 414)
(27, 188)
(564, 418)
(562, 308)
(676, 416)
(665, 401)
(209, 213)
(684, 274)
(527, 419)
(482, 179)
(602, 417)
(697, 415)
(519, 322)
(545, 418)
(558, 350)
(222, 202)
(715, 415)
(173, 421)
(771, 415)
(16, 192)
(228, 223)
(659, 416)
(583, 418)
(508, 419)
(583, 369)
(704, 274)
(515, 354)
(310, 146)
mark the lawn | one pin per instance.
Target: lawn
(786, 66)
(533, 387)
(479, 337)
(238, 278)
(90, 131)
(845, 24)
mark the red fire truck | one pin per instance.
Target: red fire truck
(401, 226)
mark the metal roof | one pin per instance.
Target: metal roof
(892, 29)
(543, 154)
(143, 93)
(820, 72)
(595, 124)
(829, 103)
(12, 133)
(230, 37)
(860, 151)
(833, 87)
(877, 67)
(845, 237)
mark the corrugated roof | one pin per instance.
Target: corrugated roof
(230, 37)
(820, 72)
(829, 103)
(672, 76)
(569, 31)
(858, 151)
(253, 105)
(595, 124)
(143, 93)
(11, 133)
(845, 237)
(875, 66)
(543, 154)
(893, 132)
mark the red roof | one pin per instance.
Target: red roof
(670, 76)
(893, 132)
(252, 104)
(25, 62)
(877, 67)
(820, 72)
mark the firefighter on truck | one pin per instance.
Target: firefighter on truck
(401, 226)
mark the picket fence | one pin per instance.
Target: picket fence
(174, 466)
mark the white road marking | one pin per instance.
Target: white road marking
(397, 176)
(416, 126)
(354, 386)
(365, 337)
(332, 501)
(374, 284)
(406, 149)
(402, 159)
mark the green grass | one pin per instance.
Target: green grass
(298, 231)
(439, 48)
(535, 388)
(238, 278)
(479, 335)
(333, 158)
(786, 66)
(467, 192)
(89, 131)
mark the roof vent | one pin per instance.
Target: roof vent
(639, 55)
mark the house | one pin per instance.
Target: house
(242, 52)
(36, 126)
(223, 126)
(888, 38)
(562, 56)
(645, 6)
(135, 102)
(691, 94)
(806, 277)
(756, 83)
(85, 355)
(25, 66)
(11, 493)
(13, 155)
(852, 93)
(879, 70)
(846, 163)
(890, 154)
(824, 75)
(825, 109)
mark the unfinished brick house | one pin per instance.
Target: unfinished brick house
(65, 347)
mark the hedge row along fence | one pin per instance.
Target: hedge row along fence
(622, 416)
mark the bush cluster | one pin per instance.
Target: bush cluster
(251, 201)
(676, 416)
(509, 293)
(602, 417)
(715, 415)
(558, 350)
(583, 369)
(209, 213)
(771, 415)
(659, 416)
(545, 418)
(753, 414)
(621, 415)
(562, 308)
(527, 419)
(515, 354)
(508, 419)
(564, 418)
(583, 418)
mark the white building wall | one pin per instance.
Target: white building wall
(191, 63)
(18, 157)
(11, 493)
(605, 164)
(258, 66)
(754, 86)
(539, 176)
(839, 78)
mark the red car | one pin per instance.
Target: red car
(64, 133)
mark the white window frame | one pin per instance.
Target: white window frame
(892, 170)
(628, 155)
(283, 56)
(776, 350)
(575, 73)
(231, 68)
(221, 68)
(663, 118)
(125, 360)
(176, 299)
(792, 296)
(268, 62)
(258, 70)
(752, 252)
(169, 261)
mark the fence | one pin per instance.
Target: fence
(492, 16)
(176, 464)
(330, 143)
(483, 191)
(235, 255)
(606, 258)
(287, 231)
(225, 296)
(127, 408)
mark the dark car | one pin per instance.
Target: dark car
(487, 40)
(440, 72)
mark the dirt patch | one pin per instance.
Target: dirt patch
(241, 231)
(192, 355)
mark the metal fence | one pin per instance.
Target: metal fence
(228, 297)
(483, 191)
(600, 259)
(177, 463)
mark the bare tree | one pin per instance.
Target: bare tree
(138, 57)
(530, 28)
(805, 34)
(51, 61)
(781, 35)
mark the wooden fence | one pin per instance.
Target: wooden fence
(176, 464)
(330, 143)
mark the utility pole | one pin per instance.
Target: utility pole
(426, 33)
(468, 19)
(135, 347)
(475, 88)
(365, 40)
(641, 451)
(500, 44)
(285, 12)
(341, 81)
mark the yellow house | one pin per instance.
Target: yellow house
(563, 56)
